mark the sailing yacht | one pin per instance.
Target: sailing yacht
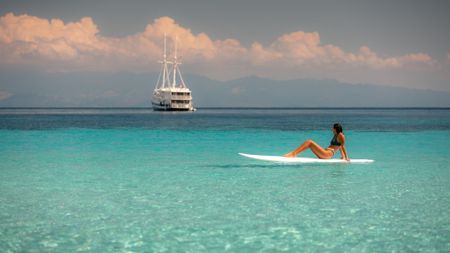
(171, 93)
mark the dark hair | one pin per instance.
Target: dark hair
(338, 128)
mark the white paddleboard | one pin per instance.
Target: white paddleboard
(282, 159)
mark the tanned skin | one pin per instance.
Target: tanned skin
(321, 152)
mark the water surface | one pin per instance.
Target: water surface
(98, 180)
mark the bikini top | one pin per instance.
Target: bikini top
(334, 141)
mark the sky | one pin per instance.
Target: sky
(394, 43)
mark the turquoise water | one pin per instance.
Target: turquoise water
(138, 181)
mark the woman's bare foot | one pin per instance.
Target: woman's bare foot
(290, 154)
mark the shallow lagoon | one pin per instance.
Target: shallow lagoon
(134, 180)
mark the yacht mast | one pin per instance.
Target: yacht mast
(175, 65)
(176, 71)
(165, 82)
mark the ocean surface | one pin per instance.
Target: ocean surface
(134, 180)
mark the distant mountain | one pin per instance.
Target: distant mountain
(260, 92)
(33, 88)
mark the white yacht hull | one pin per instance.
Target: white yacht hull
(172, 99)
(164, 107)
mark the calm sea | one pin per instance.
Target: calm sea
(134, 180)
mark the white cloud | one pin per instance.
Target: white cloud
(25, 39)
(302, 48)
(60, 46)
(30, 36)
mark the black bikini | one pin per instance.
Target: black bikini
(334, 142)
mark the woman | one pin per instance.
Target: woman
(337, 143)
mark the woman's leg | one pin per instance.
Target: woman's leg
(315, 148)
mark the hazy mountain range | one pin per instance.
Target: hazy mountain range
(134, 90)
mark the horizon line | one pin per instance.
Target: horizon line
(241, 108)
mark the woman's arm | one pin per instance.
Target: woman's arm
(343, 152)
(341, 139)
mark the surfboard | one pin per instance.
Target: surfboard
(282, 159)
